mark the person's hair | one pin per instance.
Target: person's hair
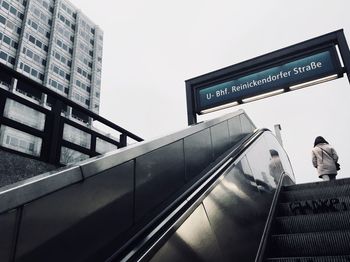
(273, 152)
(320, 140)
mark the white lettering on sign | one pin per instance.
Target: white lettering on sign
(311, 66)
(272, 78)
(255, 83)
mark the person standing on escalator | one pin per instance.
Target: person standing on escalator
(325, 159)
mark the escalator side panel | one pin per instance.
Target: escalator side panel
(101, 203)
(198, 153)
(158, 175)
(235, 208)
(237, 204)
(235, 129)
(263, 167)
(7, 235)
(73, 223)
(220, 138)
(246, 123)
(193, 241)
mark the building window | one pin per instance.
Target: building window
(26, 69)
(5, 5)
(13, 10)
(3, 55)
(2, 20)
(7, 40)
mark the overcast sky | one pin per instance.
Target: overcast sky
(151, 47)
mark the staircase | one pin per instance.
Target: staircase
(311, 224)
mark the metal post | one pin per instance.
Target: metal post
(93, 145)
(2, 105)
(344, 51)
(278, 133)
(56, 133)
(122, 140)
(191, 114)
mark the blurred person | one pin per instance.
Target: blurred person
(275, 166)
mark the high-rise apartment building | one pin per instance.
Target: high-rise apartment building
(55, 44)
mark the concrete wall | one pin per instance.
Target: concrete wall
(14, 168)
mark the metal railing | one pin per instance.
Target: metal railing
(49, 135)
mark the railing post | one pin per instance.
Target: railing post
(55, 133)
(2, 106)
(93, 145)
(122, 140)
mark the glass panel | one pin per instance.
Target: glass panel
(278, 153)
(24, 114)
(76, 136)
(20, 141)
(247, 173)
(70, 156)
(103, 146)
(235, 129)
(247, 126)
(263, 165)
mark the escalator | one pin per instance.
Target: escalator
(306, 222)
(201, 194)
(311, 224)
(224, 219)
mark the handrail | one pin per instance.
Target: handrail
(270, 218)
(53, 130)
(67, 101)
(159, 226)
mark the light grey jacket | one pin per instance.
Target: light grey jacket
(324, 162)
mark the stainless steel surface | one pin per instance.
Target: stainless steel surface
(260, 162)
(48, 182)
(246, 124)
(236, 208)
(25, 191)
(193, 241)
(98, 164)
(198, 153)
(82, 211)
(75, 222)
(235, 128)
(220, 138)
(7, 235)
(158, 175)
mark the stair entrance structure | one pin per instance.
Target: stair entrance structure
(221, 190)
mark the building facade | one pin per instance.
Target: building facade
(55, 44)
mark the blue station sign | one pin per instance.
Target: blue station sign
(292, 72)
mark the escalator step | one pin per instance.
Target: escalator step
(317, 184)
(331, 243)
(315, 193)
(314, 206)
(310, 259)
(312, 223)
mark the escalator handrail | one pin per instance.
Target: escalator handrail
(183, 202)
(272, 212)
